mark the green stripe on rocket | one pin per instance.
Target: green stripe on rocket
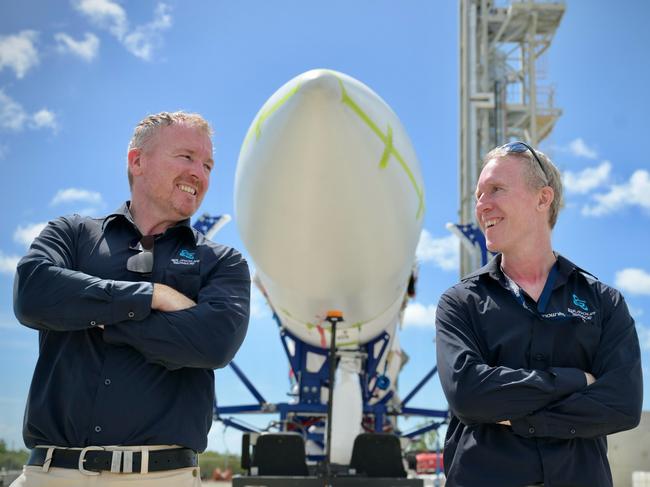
(389, 149)
(387, 138)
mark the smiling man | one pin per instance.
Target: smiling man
(539, 360)
(134, 311)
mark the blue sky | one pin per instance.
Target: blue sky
(76, 76)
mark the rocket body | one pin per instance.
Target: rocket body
(329, 203)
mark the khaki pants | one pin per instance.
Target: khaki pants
(35, 476)
(67, 477)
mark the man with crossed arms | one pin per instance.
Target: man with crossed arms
(134, 311)
(539, 360)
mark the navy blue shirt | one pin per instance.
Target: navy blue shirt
(503, 356)
(147, 377)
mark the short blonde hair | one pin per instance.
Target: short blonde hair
(150, 125)
(536, 176)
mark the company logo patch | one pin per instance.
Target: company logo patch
(580, 309)
(190, 255)
(580, 303)
(187, 258)
(584, 316)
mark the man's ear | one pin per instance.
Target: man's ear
(546, 197)
(134, 158)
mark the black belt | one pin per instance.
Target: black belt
(102, 460)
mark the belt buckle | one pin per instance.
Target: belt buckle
(82, 459)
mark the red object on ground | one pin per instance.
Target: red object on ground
(217, 474)
(429, 462)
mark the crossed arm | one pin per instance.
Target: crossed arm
(558, 402)
(165, 298)
(165, 326)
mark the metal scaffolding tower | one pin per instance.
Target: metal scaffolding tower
(500, 99)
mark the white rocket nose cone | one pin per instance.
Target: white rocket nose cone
(320, 81)
(329, 203)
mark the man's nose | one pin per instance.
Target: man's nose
(198, 171)
(482, 204)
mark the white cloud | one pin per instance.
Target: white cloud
(143, 40)
(93, 200)
(26, 235)
(443, 252)
(579, 148)
(633, 281)
(635, 192)
(140, 41)
(76, 195)
(106, 14)
(4, 150)
(8, 263)
(18, 52)
(89, 210)
(44, 118)
(417, 314)
(13, 116)
(589, 178)
(86, 49)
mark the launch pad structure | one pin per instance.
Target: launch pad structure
(502, 97)
(501, 52)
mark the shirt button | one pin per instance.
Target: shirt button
(131, 314)
(573, 431)
(107, 382)
(98, 429)
(531, 430)
(93, 323)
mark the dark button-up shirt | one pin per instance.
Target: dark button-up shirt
(503, 356)
(147, 377)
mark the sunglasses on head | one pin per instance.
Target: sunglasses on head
(518, 147)
(142, 262)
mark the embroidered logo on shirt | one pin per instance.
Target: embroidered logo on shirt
(554, 315)
(580, 303)
(559, 315)
(581, 310)
(581, 314)
(190, 255)
(187, 258)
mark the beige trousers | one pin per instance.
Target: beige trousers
(34, 476)
(67, 477)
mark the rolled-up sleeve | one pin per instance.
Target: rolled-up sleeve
(49, 294)
(480, 393)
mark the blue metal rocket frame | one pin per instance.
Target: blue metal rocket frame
(209, 225)
(309, 411)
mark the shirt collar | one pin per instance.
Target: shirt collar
(123, 213)
(493, 268)
(565, 268)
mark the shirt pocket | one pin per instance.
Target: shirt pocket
(185, 281)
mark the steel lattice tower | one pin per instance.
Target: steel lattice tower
(500, 98)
